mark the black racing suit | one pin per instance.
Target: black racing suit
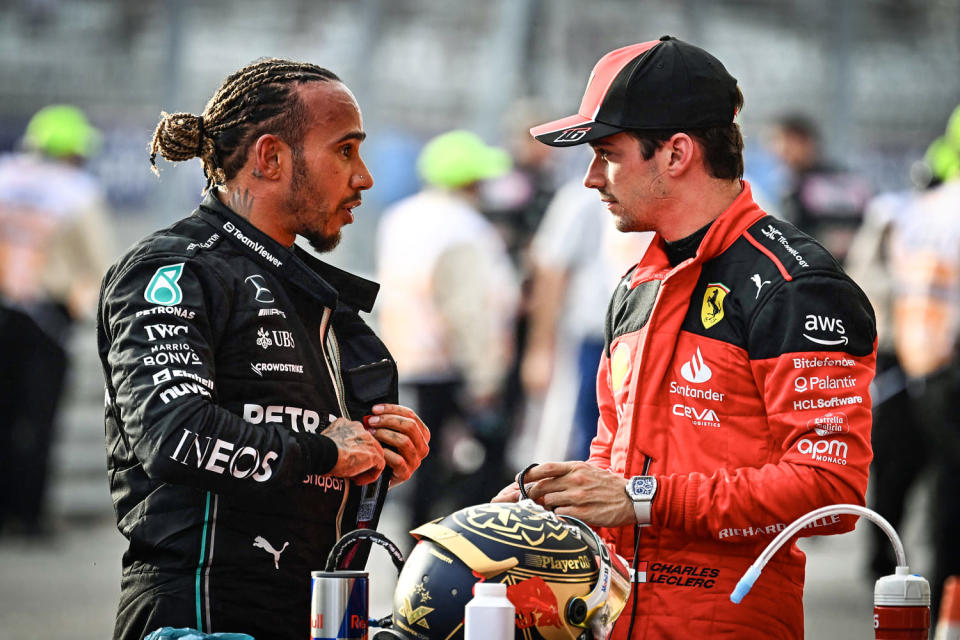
(225, 354)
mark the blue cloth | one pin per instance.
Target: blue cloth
(169, 633)
(586, 413)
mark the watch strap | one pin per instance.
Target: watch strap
(641, 491)
(642, 509)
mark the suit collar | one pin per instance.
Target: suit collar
(322, 281)
(723, 232)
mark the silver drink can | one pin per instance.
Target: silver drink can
(339, 605)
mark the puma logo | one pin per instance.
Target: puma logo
(261, 542)
(759, 283)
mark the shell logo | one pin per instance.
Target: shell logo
(620, 362)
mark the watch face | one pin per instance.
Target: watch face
(643, 486)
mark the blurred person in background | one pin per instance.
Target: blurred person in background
(238, 367)
(714, 431)
(925, 267)
(821, 199)
(515, 203)
(447, 314)
(900, 448)
(54, 247)
(577, 258)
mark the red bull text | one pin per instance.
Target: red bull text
(339, 605)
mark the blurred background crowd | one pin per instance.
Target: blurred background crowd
(496, 262)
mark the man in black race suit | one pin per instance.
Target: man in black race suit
(238, 368)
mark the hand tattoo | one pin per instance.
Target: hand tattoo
(354, 450)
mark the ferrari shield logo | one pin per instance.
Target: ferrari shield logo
(712, 310)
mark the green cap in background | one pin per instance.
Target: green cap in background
(61, 131)
(459, 158)
(953, 129)
(943, 159)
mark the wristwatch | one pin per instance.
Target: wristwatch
(640, 490)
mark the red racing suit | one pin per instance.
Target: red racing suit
(739, 378)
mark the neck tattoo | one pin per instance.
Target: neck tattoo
(241, 202)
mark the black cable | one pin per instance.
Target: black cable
(636, 552)
(633, 578)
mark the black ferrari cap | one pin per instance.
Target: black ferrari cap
(660, 84)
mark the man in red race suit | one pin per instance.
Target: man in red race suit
(733, 386)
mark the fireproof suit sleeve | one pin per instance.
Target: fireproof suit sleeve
(603, 452)
(812, 349)
(170, 417)
(602, 443)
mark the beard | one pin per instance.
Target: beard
(322, 243)
(298, 203)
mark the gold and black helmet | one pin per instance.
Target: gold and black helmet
(562, 579)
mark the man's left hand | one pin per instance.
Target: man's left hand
(583, 491)
(404, 437)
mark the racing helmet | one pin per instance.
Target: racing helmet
(562, 579)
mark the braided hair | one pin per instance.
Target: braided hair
(258, 99)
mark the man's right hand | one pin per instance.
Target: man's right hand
(359, 455)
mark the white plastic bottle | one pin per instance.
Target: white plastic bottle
(489, 615)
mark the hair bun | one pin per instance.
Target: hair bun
(177, 136)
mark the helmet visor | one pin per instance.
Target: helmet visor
(609, 595)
